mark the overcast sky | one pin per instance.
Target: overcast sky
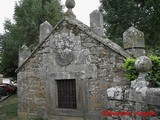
(82, 10)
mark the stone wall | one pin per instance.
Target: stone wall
(137, 105)
(31, 85)
(94, 66)
(137, 102)
(72, 50)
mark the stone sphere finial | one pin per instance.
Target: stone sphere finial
(143, 64)
(70, 4)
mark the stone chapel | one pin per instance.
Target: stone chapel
(66, 76)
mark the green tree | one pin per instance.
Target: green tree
(28, 16)
(119, 15)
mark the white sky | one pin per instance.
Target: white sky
(82, 10)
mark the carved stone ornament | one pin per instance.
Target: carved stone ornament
(63, 47)
(64, 58)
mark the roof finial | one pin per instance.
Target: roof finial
(70, 4)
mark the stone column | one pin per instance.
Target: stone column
(133, 42)
(96, 22)
(24, 53)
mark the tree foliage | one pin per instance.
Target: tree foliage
(144, 15)
(28, 16)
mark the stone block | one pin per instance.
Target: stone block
(152, 100)
(153, 96)
(24, 53)
(138, 107)
(133, 42)
(136, 52)
(153, 91)
(115, 93)
(45, 30)
(133, 38)
(134, 96)
(96, 22)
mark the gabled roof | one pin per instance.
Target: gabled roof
(89, 32)
(105, 41)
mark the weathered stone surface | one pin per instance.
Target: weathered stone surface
(152, 96)
(135, 96)
(24, 53)
(135, 52)
(153, 100)
(70, 4)
(96, 22)
(115, 93)
(153, 91)
(45, 30)
(143, 64)
(133, 42)
(133, 38)
(105, 41)
(139, 86)
(96, 68)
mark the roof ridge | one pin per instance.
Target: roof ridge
(118, 49)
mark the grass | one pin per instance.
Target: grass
(8, 108)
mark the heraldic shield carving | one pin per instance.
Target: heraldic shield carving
(64, 50)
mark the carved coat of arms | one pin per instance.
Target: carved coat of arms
(64, 51)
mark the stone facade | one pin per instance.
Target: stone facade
(72, 50)
(139, 106)
(68, 53)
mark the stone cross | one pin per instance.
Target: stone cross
(70, 4)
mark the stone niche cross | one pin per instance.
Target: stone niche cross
(70, 4)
